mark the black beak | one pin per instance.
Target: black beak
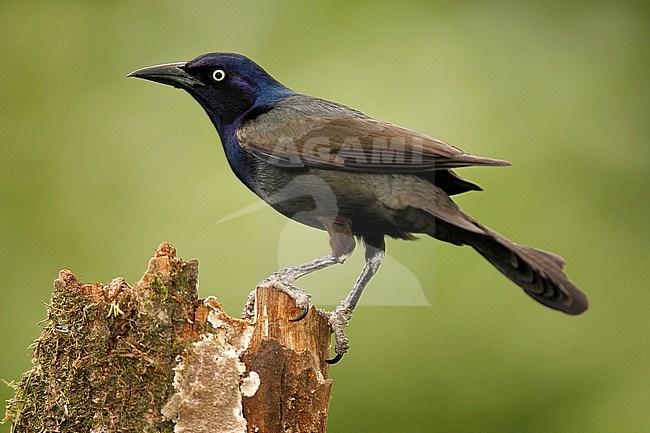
(172, 74)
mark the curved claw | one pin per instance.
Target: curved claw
(334, 360)
(300, 316)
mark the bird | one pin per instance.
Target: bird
(337, 169)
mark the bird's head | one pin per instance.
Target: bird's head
(227, 85)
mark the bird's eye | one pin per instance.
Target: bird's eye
(218, 75)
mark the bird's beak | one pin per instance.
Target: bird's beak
(172, 74)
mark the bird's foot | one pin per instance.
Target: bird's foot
(338, 321)
(282, 283)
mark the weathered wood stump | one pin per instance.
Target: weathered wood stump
(155, 358)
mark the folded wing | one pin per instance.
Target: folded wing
(349, 142)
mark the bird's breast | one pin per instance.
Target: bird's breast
(242, 163)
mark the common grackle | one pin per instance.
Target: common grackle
(336, 169)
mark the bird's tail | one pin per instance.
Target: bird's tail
(538, 272)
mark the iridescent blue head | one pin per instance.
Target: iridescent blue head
(227, 85)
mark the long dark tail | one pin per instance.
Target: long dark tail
(538, 272)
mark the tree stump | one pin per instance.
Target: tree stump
(155, 358)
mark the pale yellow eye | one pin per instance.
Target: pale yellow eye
(218, 75)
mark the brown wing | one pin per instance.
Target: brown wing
(352, 144)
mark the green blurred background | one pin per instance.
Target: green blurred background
(96, 170)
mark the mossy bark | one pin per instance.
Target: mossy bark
(155, 358)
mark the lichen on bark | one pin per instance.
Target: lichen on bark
(155, 358)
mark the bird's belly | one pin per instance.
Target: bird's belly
(311, 195)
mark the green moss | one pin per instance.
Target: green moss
(105, 358)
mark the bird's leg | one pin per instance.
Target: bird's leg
(284, 278)
(339, 318)
(342, 243)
